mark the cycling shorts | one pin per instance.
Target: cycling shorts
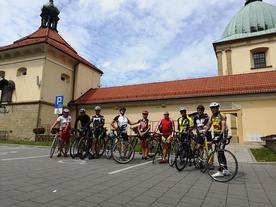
(64, 136)
(145, 137)
(98, 135)
(167, 138)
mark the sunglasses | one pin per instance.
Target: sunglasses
(166, 114)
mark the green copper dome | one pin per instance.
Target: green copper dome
(256, 18)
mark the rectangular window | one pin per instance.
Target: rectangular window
(259, 60)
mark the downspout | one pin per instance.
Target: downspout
(74, 84)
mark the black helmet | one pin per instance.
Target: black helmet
(200, 107)
(122, 109)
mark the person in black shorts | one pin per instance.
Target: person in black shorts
(201, 121)
(143, 129)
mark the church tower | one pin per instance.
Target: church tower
(248, 42)
(35, 70)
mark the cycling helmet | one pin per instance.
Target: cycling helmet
(214, 104)
(82, 111)
(200, 107)
(182, 109)
(145, 112)
(66, 110)
(97, 108)
(122, 109)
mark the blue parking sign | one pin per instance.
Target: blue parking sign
(58, 105)
(59, 102)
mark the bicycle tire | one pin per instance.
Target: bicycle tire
(227, 173)
(172, 154)
(152, 146)
(54, 145)
(123, 152)
(83, 149)
(102, 149)
(201, 159)
(158, 150)
(74, 148)
(108, 148)
(182, 157)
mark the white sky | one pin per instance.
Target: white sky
(132, 41)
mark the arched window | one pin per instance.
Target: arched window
(65, 78)
(21, 72)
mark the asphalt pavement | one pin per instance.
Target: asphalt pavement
(28, 177)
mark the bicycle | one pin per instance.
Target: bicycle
(85, 143)
(174, 148)
(75, 142)
(110, 141)
(55, 143)
(226, 164)
(158, 149)
(122, 151)
(203, 152)
(184, 153)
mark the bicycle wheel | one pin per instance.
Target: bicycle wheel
(172, 154)
(54, 145)
(157, 154)
(224, 168)
(152, 146)
(74, 148)
(201, 158)
(102, 145)
(182, 157)
(122, 152)
(108, 148)
(83, 148)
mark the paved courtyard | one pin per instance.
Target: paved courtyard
(30, 178)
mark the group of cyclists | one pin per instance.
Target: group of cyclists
(166, 127)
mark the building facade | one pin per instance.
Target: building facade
(42, 65)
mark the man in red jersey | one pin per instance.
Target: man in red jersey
(166, 127)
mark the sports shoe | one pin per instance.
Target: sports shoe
(226, 172)
(143, 158)
(218, 174)
(65, 155)
(91, 157)
(162, 162)
(146, 158)
(59, 155)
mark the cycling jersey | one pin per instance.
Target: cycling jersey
(201, 120)
(63, 121)
(98, 122)
(84, 120)
(165, 126)
(216, 121)
(184, 123)
(143, 124)
(122, 121)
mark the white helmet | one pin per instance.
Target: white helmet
(97, 108)
(82, 110)
(214, 104)
(182, 109)
(66, 110)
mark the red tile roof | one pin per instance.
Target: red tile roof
(50, 36)
(259, 82)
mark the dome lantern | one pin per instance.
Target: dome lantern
(49, 15)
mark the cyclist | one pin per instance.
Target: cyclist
(122, 121)
(185, 125)
(166, 127)
(64, 122)
(98, 131)
(83, 118)
(218, 120)
(143, 129)
(201, 121)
